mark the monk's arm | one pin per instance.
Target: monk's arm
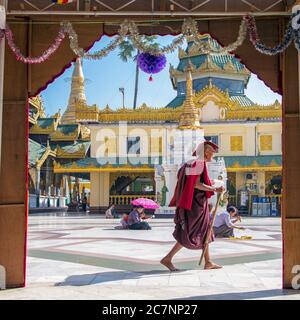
(204, 187)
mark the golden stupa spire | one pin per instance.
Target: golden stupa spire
(77, 94)
(189, 118)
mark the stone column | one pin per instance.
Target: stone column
(2, 53)
(99, 198)
(158, 182)
(170, 172)
(37, 186)
(47, 178)
(13, 192)
(291, 169)
(261, 183)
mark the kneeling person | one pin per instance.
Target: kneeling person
(224, 225)
(135, 219)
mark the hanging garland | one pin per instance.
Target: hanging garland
(33, 60)
(254, 38)
(189, 31)
(68, 28)
(296, 17)
(295, 21)
(138, 42)
(125, 28)
(206, 47)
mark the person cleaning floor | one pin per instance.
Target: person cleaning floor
(224, 224)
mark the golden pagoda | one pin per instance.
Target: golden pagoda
(77, 95)
(189, 118)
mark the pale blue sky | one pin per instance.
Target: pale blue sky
(107, 75)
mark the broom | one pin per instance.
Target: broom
(220, 197)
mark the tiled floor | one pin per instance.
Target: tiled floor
(84, 257)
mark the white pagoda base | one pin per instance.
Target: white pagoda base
(185, 142)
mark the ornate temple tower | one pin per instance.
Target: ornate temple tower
(77, 94)
(223, 71)
(189, 119)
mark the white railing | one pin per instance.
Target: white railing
(47, 201)
(126, 199)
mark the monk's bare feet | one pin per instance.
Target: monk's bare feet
(211, 265)
(167, 263)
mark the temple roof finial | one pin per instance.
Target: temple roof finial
(77, 94)
(189, 119)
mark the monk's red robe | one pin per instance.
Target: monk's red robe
(186, 196)
(192, 220)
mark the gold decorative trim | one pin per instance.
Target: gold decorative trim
(186, 127)
(230, 67)
(32, 120)
(75, 169)
(143, 113)
(80, 153)
(36, 129)
(265, 142)
(208, 65)
(84, 112)
(48, 152)
(38, 104)
(236, 143)
(254, 114)
(231, 110)
(255, 168)
(60, 136)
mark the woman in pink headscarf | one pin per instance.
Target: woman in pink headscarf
(192, 219)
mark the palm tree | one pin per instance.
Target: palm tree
(129, 52)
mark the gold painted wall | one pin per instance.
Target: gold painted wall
(99, 189)
(236, 143)
(274, 130)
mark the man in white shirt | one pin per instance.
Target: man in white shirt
(224, 223)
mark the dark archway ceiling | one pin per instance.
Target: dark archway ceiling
(149, 7)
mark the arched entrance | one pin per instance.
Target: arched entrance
(278, 72)
(125, 188)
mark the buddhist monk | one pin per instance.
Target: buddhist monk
(192, 218)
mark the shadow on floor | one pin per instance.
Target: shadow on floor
(102, 277)
(246, 295)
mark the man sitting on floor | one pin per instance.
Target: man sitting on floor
(224, 223)
(135, 219)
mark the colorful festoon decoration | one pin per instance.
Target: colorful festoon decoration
(296, 17)
(259, 46)
(151, 64)
(152, 58)
(62, 1)
(32, 60)
(295, 22)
